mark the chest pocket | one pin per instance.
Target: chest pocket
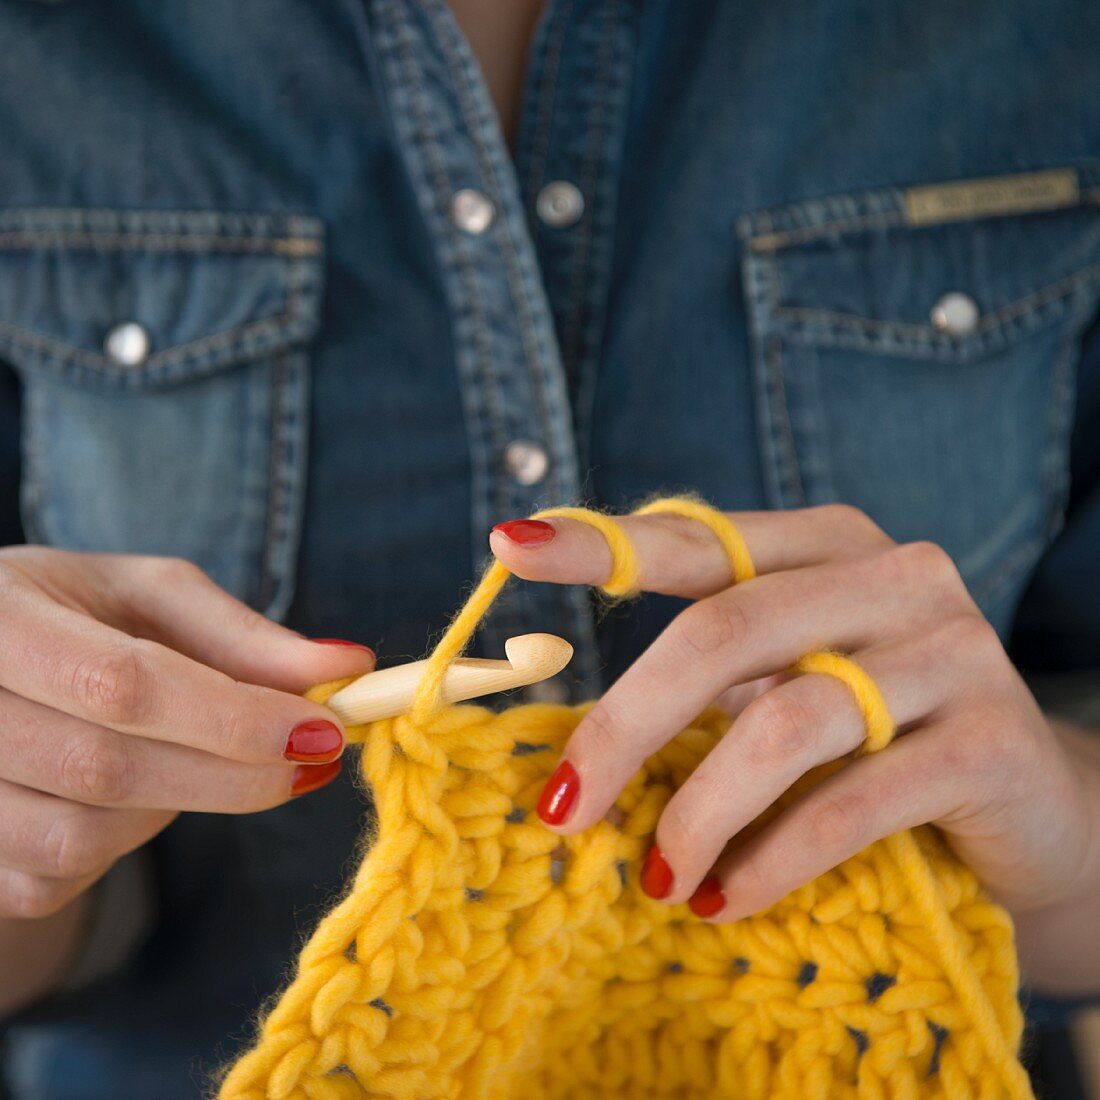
(915, 354)
(164, 363)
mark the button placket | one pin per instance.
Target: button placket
(519, 424)
(568, 154)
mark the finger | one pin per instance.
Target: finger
(734, 700)
(680, 557)
(32, 897)
(739, 635)
(54, 838)
(172, 601)
(778, 738)
(901, 787)
(61, 658)
(60, 755)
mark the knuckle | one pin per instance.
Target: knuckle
(850, 518)
(262, 788)
(68, 849)
(238, 739)
(113, 685)
(755, 884)
(247, 619)
(839, 824)
(175, 570)
(712, 627)
(9, 578)
(683, 829)
(973, 636)
(604, 732)
(779, 727)
(97, 769)
(930, 563)
(31, 897)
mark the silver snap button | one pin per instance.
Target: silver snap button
(127, 344)
(956, 314)
(554, 691)
(560, 204)
(527, 462)
(472, 211)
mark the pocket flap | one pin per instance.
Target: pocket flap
(197, 291)
(874, 269)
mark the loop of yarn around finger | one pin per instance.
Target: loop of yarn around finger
(721, 526)
(878, 723)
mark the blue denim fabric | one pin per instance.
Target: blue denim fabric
(338, 367)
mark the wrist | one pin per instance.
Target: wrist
(36, 954)
(1059, 950)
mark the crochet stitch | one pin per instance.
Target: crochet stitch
(478, 956)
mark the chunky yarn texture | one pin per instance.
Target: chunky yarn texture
(477, 955)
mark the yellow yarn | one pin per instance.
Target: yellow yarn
(623, 580)
(877, 722)
(740, 559)
(478, 955)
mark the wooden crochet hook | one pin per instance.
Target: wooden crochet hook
(389, 692)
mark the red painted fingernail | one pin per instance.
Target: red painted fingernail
(527, 532)
(559, 794)
(656, 874)
(315, 742)
(312, 777)
(342, 642)
(708, 898)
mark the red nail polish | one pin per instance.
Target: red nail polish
(343, 643)
(559, 794)
(315, 742)
(312, 777)
(527, 532)
(656, 874)
(708, 898)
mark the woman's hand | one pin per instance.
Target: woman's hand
(132, 688)
(974, 753)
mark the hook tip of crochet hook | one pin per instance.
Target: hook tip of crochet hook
(540, 655)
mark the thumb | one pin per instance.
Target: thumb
(173, 602)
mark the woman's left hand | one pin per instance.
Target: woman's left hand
(974, 753)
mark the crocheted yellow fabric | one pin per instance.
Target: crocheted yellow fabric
(478, 955)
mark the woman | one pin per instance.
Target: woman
(301, 299)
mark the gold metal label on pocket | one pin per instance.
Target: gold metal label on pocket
(984, 198)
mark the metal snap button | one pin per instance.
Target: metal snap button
(472, 211)
(560, 204)
(956, 314)
(127, 344)
(527, 462)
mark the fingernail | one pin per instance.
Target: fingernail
(343, 643)
(656, 874)
(708, 898)
(314, 742)
(312, 777)
(527, 532)
(559, 794)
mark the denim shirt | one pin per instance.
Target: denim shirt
(276, 296)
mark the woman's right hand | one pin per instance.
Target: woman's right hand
(132, 688)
